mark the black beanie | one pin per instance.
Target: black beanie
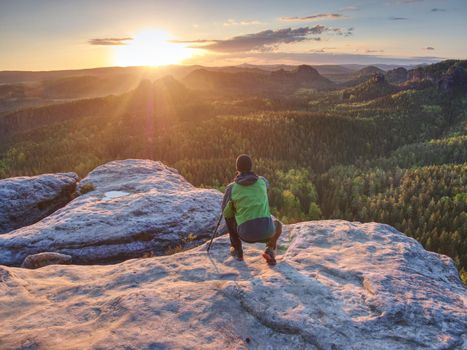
(244, 163)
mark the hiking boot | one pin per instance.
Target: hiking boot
(270, 256)
(237, 254)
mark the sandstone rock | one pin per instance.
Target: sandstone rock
(420, 73)
(337, 285)
(397, 75)
(26, 200)
(455, 78)
(377, 78)
(460, 76)
(137, 207)
(44, 259)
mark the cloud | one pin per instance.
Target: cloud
(350, 8)
(429, 48)
(109, 41)
(344, 32)
(266, 40)
(322, 50)
(438, 10)
(311, 17)
(232, 22)
(398, 18)
(373, 51)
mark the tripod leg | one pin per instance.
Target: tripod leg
(214, 234)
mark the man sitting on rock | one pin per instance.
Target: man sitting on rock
(246, 211)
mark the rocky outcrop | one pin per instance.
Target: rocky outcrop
(44, 259)
(257, 82)
(368, 72)
(373, 88)
(131, 208)
(420, 73)
(448, 75)
(303, 76)
(26, 200)
(337, 285)
(362, 75)
(397, 75)
(454, 78)
(377, 79)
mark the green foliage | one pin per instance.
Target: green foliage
(314, 213)
(463, 274)
(292, 194)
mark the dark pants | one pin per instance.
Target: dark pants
(236, 242)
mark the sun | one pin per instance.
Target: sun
(151, 47)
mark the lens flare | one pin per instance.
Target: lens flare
(151, 47)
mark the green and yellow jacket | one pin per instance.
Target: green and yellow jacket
(246, 200)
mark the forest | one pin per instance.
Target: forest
(375, 151)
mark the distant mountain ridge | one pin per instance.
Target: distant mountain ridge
(371, 82)
(303, 76)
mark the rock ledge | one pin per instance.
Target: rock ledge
(337, 285)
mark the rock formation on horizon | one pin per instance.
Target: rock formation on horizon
(253, 82)
(397, 75)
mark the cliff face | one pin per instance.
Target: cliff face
(397, 75)
(337, 285)
(447, 75)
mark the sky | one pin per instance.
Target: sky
(65, 34)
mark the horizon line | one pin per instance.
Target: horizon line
(230, 65)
